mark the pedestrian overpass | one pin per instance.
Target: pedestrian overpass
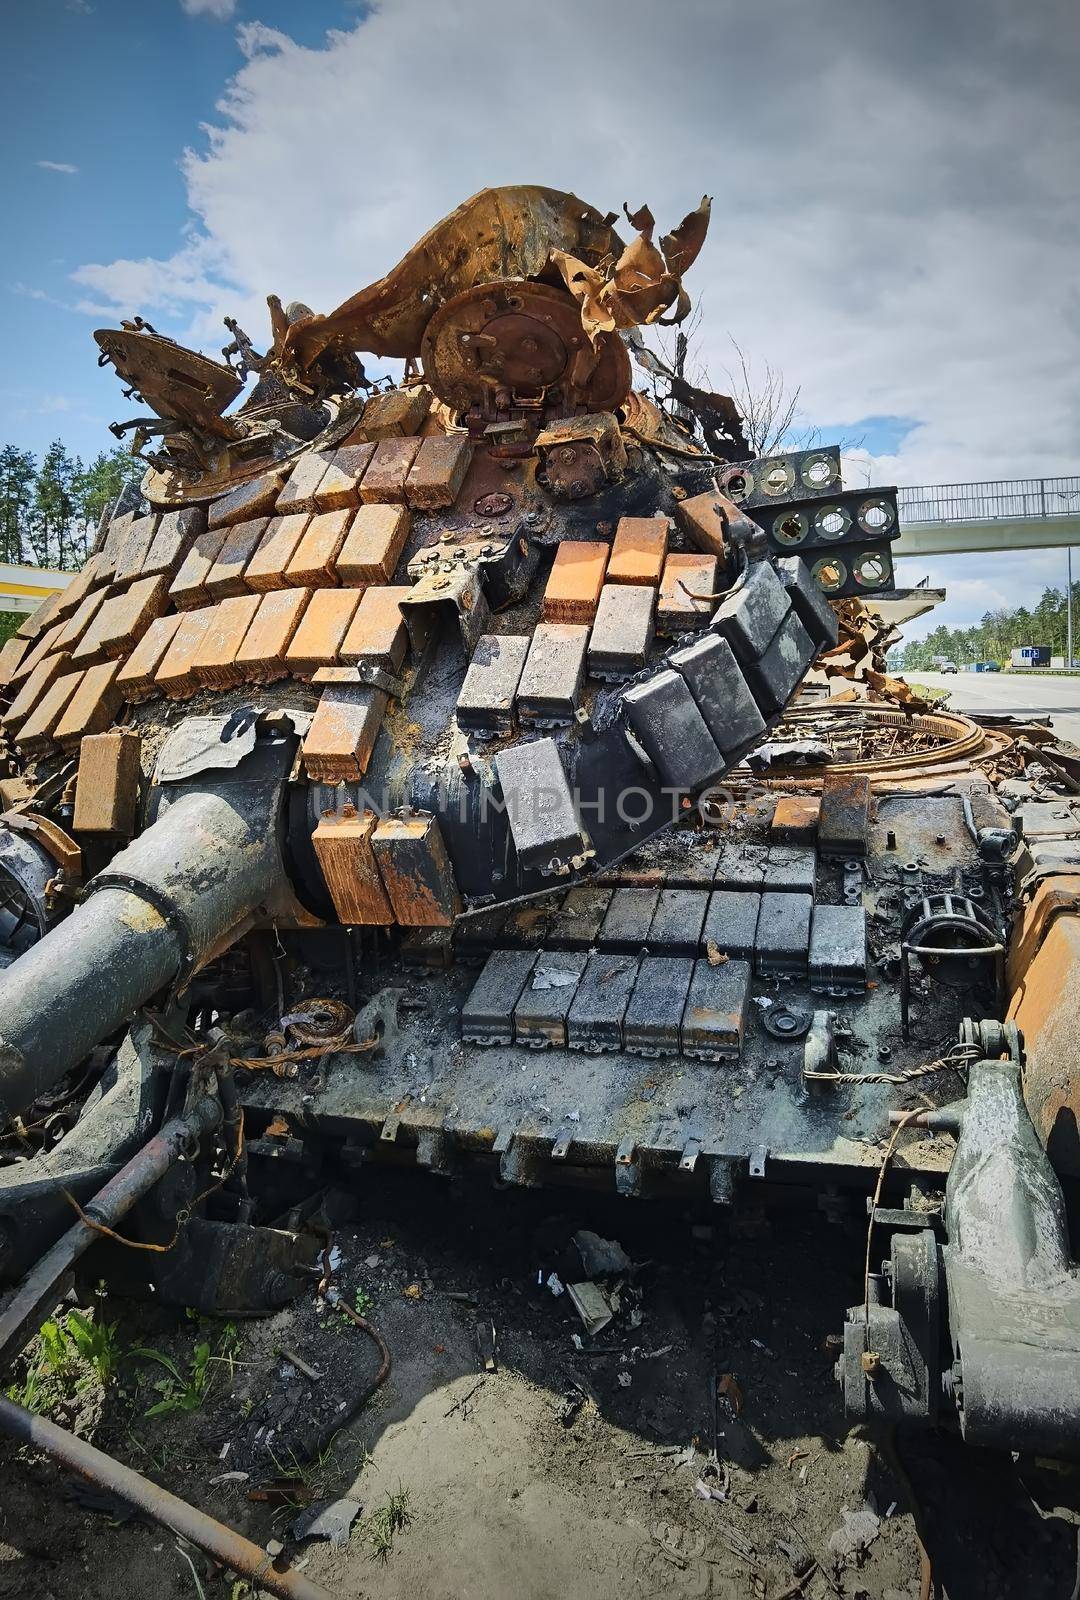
(1009, 514)
(23, 589)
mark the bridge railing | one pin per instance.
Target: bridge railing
(990, 501)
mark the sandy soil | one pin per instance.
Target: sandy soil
(564, 1473)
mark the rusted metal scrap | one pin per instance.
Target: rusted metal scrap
(516, 232)
(860, 656)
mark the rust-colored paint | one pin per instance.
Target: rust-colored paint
(1045, 1003)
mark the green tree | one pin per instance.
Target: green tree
(98, 484)
(57, 532)
(18, 473)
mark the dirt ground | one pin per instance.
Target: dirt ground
(566, 1472)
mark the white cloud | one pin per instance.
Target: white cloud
(896, 217)
(58, 166)
(54, 402)
(84, 307)
(1005, 579)
(220, 10)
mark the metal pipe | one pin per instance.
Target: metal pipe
(162, 906)
(1068, 610)
(223, 1544)
(46, 1284)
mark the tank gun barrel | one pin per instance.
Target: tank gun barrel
(165, 904)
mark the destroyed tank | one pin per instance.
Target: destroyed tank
(413, 772)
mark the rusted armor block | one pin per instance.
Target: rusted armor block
(42, 678)
(438, 472)
(575, 581)
(66, 601)
(58, 605)
(37, 652)
(384, 480)
(174, 535)
(714, 1021)
(699, 518)
(10, 656)
(317, 640)
(254, 499)
(136, 676)
(174, 676)
(305, 477)
(339, 487)
(416, 871)
(136, 548)
(392, 413)
(121, 622)
(638, 551)
(76, 625)
(347, 861)
(844, 817)
(377, 631)
(188, 589)
(314, 561)
(795, 819)
(373, 545)
(261, 656)
(36, 732)
(215, 662)
(338, 745)
(226, 576)
(686, 576)
(267, 568)
(115, 542)
(107, 787)
(93, 705)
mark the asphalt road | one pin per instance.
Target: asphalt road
(1015, 692)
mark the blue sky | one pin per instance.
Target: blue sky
(897, 198)
(115, 89)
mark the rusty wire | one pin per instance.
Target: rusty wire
(961, 1055)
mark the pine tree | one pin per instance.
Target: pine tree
(99, 484)
(18, 472)
(57, 535)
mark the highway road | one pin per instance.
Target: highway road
(1015, 692)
